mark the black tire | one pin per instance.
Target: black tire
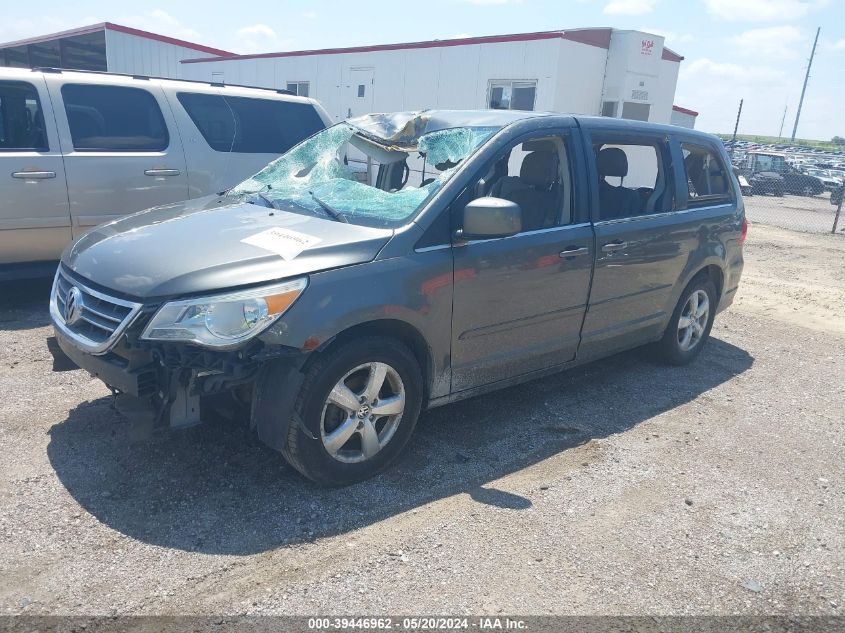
(669, 349)
(306, 452)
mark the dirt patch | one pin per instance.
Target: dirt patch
(796, 278)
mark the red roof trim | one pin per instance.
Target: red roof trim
(672, 56)
(102, 26)
(592, 37)
(684, 110)
(167, 40)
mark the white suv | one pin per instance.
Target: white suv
(78, 149)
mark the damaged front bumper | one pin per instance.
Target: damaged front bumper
(174, 385)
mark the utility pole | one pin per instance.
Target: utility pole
(736, 127)
(806, 79)
(782, 121)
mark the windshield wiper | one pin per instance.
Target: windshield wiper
(328, 209)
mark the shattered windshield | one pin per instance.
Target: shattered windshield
(351, 174)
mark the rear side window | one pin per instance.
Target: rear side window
(633, 179)
(114, 119)
(707, 180)
(250, 126)
(21, 118)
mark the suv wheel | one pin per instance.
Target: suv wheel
(807, 190)
(690, 324)
(358, 405)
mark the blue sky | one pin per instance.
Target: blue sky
(755, 49)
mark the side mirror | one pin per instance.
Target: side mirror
(486, 218)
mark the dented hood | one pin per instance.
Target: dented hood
(198, 247)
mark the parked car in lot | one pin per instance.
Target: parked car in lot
(829, 177)
(769, 173)
(482, 249)
(80, 148)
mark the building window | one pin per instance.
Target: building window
(299, 88)
(79, 52)
(512, 95)
(635, 111)
(609, 108)
(361, 90)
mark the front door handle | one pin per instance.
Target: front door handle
(33, 175)
(161, 172)
(612, 247)
(574, 251)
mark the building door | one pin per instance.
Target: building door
(359, 92)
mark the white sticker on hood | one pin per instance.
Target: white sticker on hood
(284, 242)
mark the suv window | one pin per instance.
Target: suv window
(536, 175)
(633, 179)
(250, 126)
(114, 119)
(21, 119)
(707, 179)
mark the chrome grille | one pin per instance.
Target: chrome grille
(93, 320)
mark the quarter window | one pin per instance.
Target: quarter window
(512, 95)
(707, 180)
(21, 119)
(250, 126)
(114, 119)
(633, 179)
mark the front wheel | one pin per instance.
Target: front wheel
(690, 325)
(358, 407)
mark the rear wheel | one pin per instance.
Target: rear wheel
(690, 324)
(358, 405)
(807, 190)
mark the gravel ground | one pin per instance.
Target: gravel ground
(621, 487)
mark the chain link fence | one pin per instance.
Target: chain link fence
(791, 187)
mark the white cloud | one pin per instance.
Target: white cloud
(711, 73)
(310, 15)
(161, 22)
(762, 10)
(629, 7)
(24, 28)
(257, 38)
(777, 42)
(838, 45)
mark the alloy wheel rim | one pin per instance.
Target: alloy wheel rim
(693, 320)
(362, 412)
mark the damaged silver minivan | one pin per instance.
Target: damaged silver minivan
(394, 263)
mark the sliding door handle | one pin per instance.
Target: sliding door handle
(161, 172)
(574, 251)
(33, 175)
(612, 247)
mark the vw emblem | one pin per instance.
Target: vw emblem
(73, 305)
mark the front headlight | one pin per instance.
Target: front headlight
(223, 320)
